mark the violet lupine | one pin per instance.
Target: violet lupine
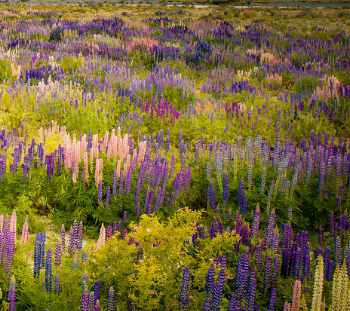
(97, 306)
(321, 236)
(100, 198)
(138, 209)
(232, 303)
(48, 271)
(124, 217)
(337, 259)
(218, 291)
(209, 285)
(272, 302)
(242, 275)
(183, 303)
(269, 229)
(12, 294)
(110, 304)
(96, 291)
(251, 294)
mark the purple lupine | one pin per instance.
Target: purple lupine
(218, 291)
(108, 197)
(109, 233)
(232, 303)
(258, 257)
(267, 274)
(48, 271)
(318, 252)
(110, 304)
(251, 294)
(91, 301)
(124, 217)
(85, 301)
(12, 295)
(275, 271)
(228, 215)
(269, 229)
(256, 222)
(58, 287)
(297, 264)
(209, 285)
(58, 253)
(211, 193)
(329, 277)
(306, 262)
(183, 303)
(96, 291)
(242, 275)
(37, 256)
(240, 193)
(272, 302)
(207, 305)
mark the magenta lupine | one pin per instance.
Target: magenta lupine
(183, 302)
(218, 291)
(110, 304)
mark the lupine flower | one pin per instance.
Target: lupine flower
(207, 305)
(318, 286)
(272, 302)
(12, 295)
(48, 271)
(58, 283)
(85, 301)
(96, 291)
(218, 291)
(110, 304)
(296, 296)
(184, 289)
(251, 294)
(58, 253)
(85, 282)
(63, 237)
(242, 275)
(209, 285)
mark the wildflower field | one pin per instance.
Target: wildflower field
(157, 158)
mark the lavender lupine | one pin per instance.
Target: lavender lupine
(85, 301)
(58, 283)
(58, 253)
(183, 303)
(218, 291)
(256, 221)
(84, 282)
(207, 305)
(63, 238)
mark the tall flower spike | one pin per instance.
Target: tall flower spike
(48, 271)
(296, 296)
(110, 305)
(184, 289)
(12, 295)
(218, 291)
(272, 302)
(316, 304)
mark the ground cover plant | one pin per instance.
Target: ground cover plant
(170, 159)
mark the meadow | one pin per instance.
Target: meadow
(157, 158)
